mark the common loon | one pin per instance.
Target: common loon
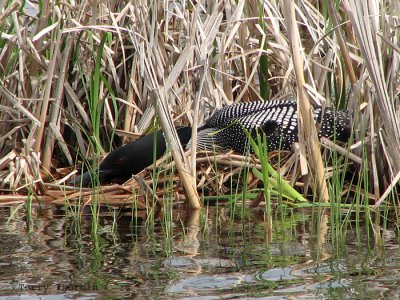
(225, 129)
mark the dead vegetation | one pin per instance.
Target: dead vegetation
(80, 78)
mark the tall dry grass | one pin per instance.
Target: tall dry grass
(80, 77)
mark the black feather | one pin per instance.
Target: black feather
(277, 119)
(119, 165)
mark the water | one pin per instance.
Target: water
(220, 257)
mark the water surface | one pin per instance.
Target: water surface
(213, 255)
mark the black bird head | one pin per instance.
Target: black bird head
(119, 165)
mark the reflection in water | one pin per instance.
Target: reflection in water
(211, 255)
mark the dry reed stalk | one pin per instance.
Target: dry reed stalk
(42, 109)
(55, 112)
(177, 152)
(342, 44)
(371, 46)
(307, 130)
(155, 71)
(329, 144)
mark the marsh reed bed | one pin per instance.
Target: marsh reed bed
(79, 78)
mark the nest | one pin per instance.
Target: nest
(218, 176)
